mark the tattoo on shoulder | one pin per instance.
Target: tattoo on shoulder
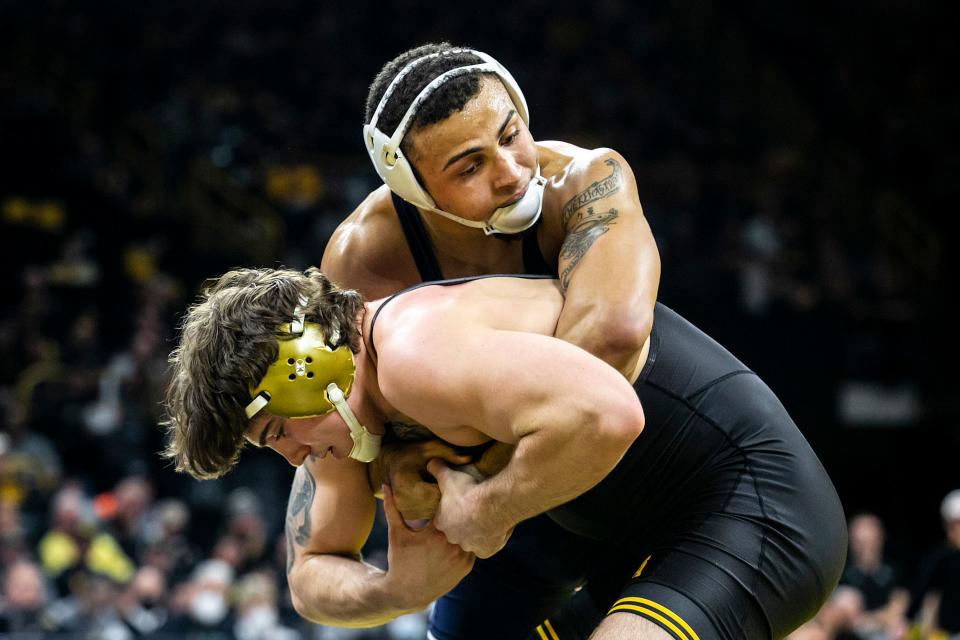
(589, 227)
(596, 191)
(298, 511)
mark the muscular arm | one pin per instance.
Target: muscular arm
(571, 416)
(609, 266)
(329, 517)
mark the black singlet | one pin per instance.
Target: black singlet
(721, 487)
(426, 258)
(742, 530)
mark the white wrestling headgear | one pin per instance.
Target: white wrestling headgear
(395, 169)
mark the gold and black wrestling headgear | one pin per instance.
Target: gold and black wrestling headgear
(312, 377)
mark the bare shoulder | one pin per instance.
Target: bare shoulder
(431, 315)
(420, 338)
(570, 168)
(416, 315)
(368, 251)
(577, 177)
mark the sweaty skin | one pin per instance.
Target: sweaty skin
(592, 226)
(549, 399)
(592, 229)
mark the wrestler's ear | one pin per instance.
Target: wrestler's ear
(442, 450)
(439, 470)
(394, 519)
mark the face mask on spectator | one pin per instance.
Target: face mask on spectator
(256, 622)
(208, 607)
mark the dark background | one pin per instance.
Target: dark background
(796, 162)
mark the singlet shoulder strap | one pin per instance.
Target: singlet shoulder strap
(533, 261)
(441, 283)
(417, 239)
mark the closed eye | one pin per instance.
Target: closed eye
(471, 169)
(265, 434)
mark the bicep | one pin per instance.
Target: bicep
(607, 213)
(330, 510)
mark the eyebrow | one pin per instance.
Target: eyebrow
(263, 434)
(467, 152)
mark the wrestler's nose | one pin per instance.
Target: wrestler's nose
(294, 452)
(509, 171)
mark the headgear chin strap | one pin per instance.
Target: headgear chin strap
(396, 171)
(366, 445)
(312, 378)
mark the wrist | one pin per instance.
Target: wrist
(492, 505)
(398, 597)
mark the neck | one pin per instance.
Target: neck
(372, 402)
(868, 563)
(450, 232)
(466, 251)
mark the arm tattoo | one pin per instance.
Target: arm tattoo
(581, 238)
(298, 511)
(600, 189)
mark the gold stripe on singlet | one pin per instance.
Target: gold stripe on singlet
(546, 632)
(653, 610)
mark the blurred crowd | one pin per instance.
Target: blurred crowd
(879, 599)
(791, 161)
(122, 564)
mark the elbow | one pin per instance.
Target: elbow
(305, 607)
(622, 333)
(631, 426)
(300, 606)
(624, 426)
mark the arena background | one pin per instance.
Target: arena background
(795, 161)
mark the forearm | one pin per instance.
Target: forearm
(343, 592)
(614, 332)
(548, 469)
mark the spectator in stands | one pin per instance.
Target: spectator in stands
(938, 588)
(75, 542)
(246, 526)
(836, 619)
(257, 616)
(134, 496)
(885, 600)
(24, 600)
(143, 605)
(201, 606)
(168, 546)
(98, 615)
(30, 466)
(12, 542)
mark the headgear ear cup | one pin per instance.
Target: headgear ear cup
(297, 380)
(310, 378)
